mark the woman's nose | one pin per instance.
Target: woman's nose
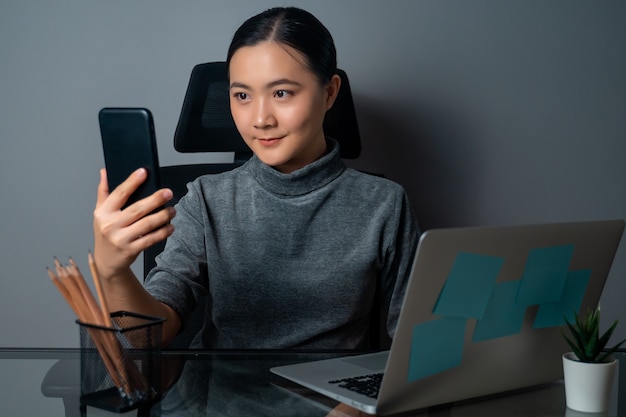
(264, 116)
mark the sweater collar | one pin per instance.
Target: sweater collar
(304, 180)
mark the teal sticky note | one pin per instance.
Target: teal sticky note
(553, 314)
(503, 316)
(468, 286)
(544, 275)
(436, 346)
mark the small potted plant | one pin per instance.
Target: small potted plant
(589, 369)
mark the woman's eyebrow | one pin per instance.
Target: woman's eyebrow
(238, 85)
(282, 81)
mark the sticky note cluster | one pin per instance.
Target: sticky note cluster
(472, 291)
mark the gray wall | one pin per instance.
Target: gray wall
(488, 112)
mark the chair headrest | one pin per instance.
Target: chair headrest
(206, 125)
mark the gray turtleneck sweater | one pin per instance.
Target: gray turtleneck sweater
(288, 260)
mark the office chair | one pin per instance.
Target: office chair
(206, 125)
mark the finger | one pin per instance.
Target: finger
(125, 237)
(149, 223)
(146, 206)
(142, 242)
(118, 197)
(103, 188)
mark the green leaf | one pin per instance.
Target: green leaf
(586, 342)
(607, 335)
(606, 354)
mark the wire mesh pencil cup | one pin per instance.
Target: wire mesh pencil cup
(121, 365)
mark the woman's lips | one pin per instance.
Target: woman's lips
(268, 141)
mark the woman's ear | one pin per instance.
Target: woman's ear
(332, 90)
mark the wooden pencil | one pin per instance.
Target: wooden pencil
(98, 283)
(69, 290)
(133, 374)
(73, 288)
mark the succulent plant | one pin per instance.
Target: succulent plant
(586, 342)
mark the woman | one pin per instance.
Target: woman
(292, 246)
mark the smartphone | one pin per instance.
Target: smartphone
(129, 143)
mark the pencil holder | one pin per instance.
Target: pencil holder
(121, 365)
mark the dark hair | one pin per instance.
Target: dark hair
(296, 28)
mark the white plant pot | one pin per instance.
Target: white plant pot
(588, 385)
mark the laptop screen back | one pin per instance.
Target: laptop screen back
(485, 308)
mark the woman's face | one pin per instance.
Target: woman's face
(278, 105)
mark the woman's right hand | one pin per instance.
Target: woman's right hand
(120, 235)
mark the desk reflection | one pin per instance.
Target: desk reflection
(238, 385)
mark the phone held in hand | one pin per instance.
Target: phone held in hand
(129, 143)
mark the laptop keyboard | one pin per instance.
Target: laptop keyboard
(367, 384)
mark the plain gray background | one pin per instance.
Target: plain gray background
(488, 112)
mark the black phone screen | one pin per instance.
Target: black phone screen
(129, 143)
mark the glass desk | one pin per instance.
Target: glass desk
(45, 382)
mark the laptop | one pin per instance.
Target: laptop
(483, 313)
